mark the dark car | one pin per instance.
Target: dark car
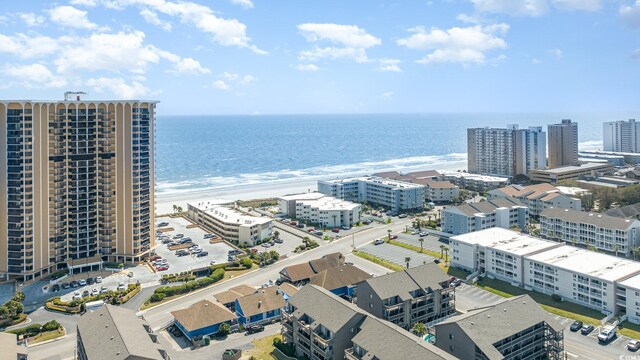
(576, 325)
(317, 233)
(55, 287)
(66, 285)
(74, 284)
(202, 253)
(587, 329)
(86, 293)
(279, 281)
(255, 329)
(300, 226)
(90, 281)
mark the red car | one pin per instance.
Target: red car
(393, 237)
(294, 223)
(335, 230)
(162, 268)
(311, 230)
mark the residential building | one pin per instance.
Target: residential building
(506, 152)
(571, 172)
(203, 318)
(537, 197)
(395, 195)
(436, 190)
(615, 160)
(411, 176)
(580, 276)
(474, 182)
(629, 157)
(496, 253)
(228, 298)
(625, 212)
(113, 332)
(628, 298)
(621, 136)
(604, 232)
(516, 328)
(287, 203)
(614, 182)
(418, 294)
(263, 307)
(563, 144)
(231, 224)
(10, 349)
(340, 280)
(328, 212)
(321, 326)
(301, 273)
(502, 212)
(77, 184)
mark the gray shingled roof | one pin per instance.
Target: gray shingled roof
(627, 212)
(324, 307)
(264, 300)
(115, 333)
(487, 207)
(488, 325)
(386, 341)
(596, 219)
(401, 283)
(202, 314)
(339, 276)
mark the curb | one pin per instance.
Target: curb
(50, 341)
(27, 321)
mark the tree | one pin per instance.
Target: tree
(276, 234)
(592, 248)
(635, 251)
(446, 254)
(388, 235)
(515, 228)
(275, 256)
(175, 208)
(616, 248)
(421, 242)
(442, 251)
(419, 329)
(407, 260)
(224, 329)
(305, 241)
(574, 241)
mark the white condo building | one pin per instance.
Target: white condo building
(621, 136)
(475, 182)
(506, 152)
(231, 224)
(605, 232)
(320, 209)
(504, 213)
(537, 197)
(396, 195)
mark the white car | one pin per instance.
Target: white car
(82, 282)
(94, 292)
(99, 279)
(121, 286)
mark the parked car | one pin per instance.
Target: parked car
(293, 223)
(311, 230)
(378, 242)
(607, 334)
(633, 345)
(202, 253)
(576, 325)
(367, 221)
(423, 233)
(208, 236)
(414, 233)
(66, 285)
(266, 245)
(587, 329)
(278, 240)
(74, 284)
(90, 281)
(161, 268)
(345, 227)
(196, 250)
(335, 230)
(272, 242)
(234, 252)
(178, 236)
(164, 223)
(279, 281)
(86, 293)
(82, 282)
(121, 286)
(300, 226)
(393, 237)
(55, 288)
(402, 216)
(212, 262)
(130, 274)
(185, 240)
(94, 292)
(103, 290)
(181, 253)
(255, 329)
(317, 233)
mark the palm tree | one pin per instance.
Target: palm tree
(175, 208)
(276, 234)
(616, 248)
(419, 329)
(446, 253)
(407, 260)
(421, 241)
(592, 248)
(574, 241)
(442, 251)
(388, 235)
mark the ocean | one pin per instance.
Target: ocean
(195, 153)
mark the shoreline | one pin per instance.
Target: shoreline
(164, 202)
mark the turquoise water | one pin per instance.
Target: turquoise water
(202, 152)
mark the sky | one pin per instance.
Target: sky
(329, 56)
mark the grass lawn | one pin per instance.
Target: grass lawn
(231, 274)
(562, 308)
(264, 349)
(628, 329)
(379, 261)
(47, 335)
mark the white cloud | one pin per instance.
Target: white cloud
(636, 54)
(352, 42)
(229, 76)
(153, 19)
(226, 32)
(512, 7)
(34, 75)
(246, 80)
(469, 19)
(578, 5)
(71, 17)
(389, 65)
(31, 19)
(465, 45)
(387, 95)
(26, 47)
(221, 85)
(307, 67)
(190, 66)
(119, 87)
(89, 3)
(247, 4)
(631, 13)
(557, 53)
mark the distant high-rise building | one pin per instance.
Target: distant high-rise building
(563, 144)
(507, 152)
(76, 184)
(621, 136)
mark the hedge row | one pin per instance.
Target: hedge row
(162, 292)
(35, 329)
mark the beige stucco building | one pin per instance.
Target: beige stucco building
(76, 184)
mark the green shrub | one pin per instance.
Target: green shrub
(51, 325)
(157, 297)
(164, 291)
(58, 274)
(247, 263)
(556, 297)
(31, 330)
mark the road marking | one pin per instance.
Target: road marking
(618, 338)
(570, 354)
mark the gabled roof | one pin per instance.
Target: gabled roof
(264, 300)
(339, 276)
(486, 207)
(627, 212)
(326, 262)
(288, 289)
(304, 271)
(324, 308)
(596, 219)
(115, 333)
(234, 293)
(401, 283)
(488, 325)
(202, 314)
(439, 184)
(387, 174)
(298, 272)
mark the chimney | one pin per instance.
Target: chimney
(259, 303)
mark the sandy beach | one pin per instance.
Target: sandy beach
(165, 202)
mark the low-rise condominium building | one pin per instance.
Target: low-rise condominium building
(537, 197)
(395, 195)
(503, 212)
(231, 224)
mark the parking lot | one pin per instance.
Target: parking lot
(396, 254)
(216, 253)
(431, 242)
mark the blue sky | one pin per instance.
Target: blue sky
(357, 56)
